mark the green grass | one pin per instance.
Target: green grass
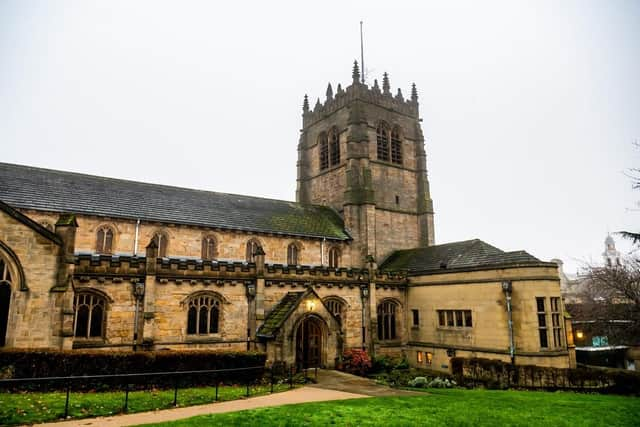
(450, 407)
(31, 407)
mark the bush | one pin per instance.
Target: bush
(356, 361)
(501, 375)
(54, 363)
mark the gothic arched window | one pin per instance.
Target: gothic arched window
(293, 253)
(337, 307)
(203, 315)
(334, 257)
(334, 139)
(324, 151)
(382, 139)
(387, 320)
(208, 248)
(104, 241)
(161, 240)
(89, 320)
(5, 299)
(396, 146)
(252, 248)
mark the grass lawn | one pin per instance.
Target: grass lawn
(31, 407)
(448, 407)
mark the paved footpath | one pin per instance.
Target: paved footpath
(331, 385)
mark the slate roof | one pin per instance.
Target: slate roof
(457, 255)
(279, 314)
(58, 191)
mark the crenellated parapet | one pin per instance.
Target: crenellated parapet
(116, 269)
(358, 91)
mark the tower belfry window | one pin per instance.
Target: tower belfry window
(396, 146)
(324, 151)
(334, 146)
(382, 139)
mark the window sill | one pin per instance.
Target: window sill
(455, 328)
(390, 343)
(88, 343)
(203, 338)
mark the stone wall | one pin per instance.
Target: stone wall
(32, 312)
(481, 292)
(186, 241)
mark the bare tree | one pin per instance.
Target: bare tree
(634, 175)
(611, 301)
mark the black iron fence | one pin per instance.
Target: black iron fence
(245, 377)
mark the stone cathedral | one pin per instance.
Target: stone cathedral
(89, 262)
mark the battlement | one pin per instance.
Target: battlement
(362, 92)
(118, 268)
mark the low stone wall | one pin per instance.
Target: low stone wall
(500, 375)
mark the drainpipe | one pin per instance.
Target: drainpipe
(322, 251)
(135, 242)
(507, 288)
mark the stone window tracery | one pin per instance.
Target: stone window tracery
(337, 307)
(104, 240)
(252, 248)
(396, 146)
(5, 299)
(324, 151)
(203, 315)
(334, 257)
(209, 248)
(387, 328)
(89, 319)
(293, 254)
(382, 139)
(161, 240)
(335, 146)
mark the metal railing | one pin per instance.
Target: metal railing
(175, 379)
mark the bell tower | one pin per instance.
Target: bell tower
(362, 153)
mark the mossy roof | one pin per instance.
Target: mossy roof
(456, 255)
(279, 314)
(66, 192)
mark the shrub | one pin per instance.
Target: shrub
(356, 361)
(55, 363)
(418, 382)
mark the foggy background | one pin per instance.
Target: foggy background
(530, 109)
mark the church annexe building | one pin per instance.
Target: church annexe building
(102, 263)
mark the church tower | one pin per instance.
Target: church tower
(611, 255)
(362, 153)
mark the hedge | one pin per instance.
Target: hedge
(497, 374)
(55, 363)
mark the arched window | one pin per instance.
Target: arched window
(382, 139)
(104, 241)
(203, 315)
(5, 299)
(89, 321)
(324, 151)
(334, 257)
(337, 307)
(293, 253)
(161, 240)
(252, 248)
(396, 146)
(334, 139)
(208, 248)
(387, 320)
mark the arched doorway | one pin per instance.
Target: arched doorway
(5, 298)
(309, 343)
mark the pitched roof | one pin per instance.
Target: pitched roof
(30, 223)
(58, 191)
(279, 314)
(456, 255)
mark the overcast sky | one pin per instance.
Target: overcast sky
(530, 108)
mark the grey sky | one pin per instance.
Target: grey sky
(530, 108)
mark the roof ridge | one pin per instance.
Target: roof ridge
(108, 178)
